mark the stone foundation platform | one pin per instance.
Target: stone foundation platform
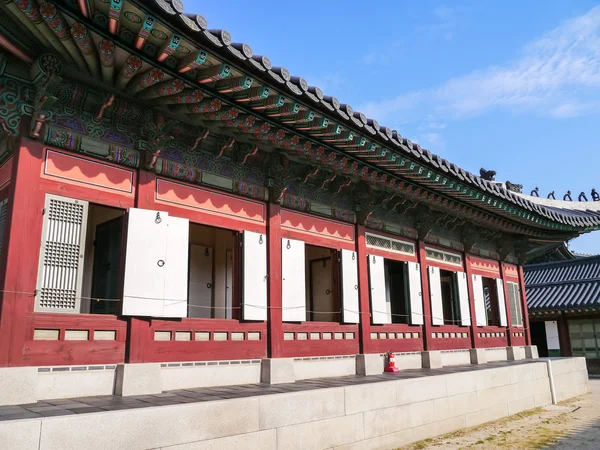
(351, 412)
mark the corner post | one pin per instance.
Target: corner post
(275, 322)
(473, 327)
(23, 230)
(363, 293)
(138, 329)
(509, 336)
(524, 307)
(427, 323)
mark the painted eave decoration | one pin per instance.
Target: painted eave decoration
(157, 54)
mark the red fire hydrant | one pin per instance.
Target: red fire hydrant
(391, 366)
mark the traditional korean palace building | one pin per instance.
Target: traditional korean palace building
(168, 197)
(564, 308)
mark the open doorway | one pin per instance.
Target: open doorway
(490, 294)
(322, 291)
(212, 260)
(102, 260)
(450, 298)
(397, 290)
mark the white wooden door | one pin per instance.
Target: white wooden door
(146, 252)
(60, 270)
(201, 282)
(176, 268)
(350, 308)
(463, 297)
(254, 294)
(293, 280)
(379, 307)
(501, 302)
(480, 311)
(416, 293)
(435, 292)
(229, 284)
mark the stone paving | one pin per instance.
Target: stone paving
(84, 405)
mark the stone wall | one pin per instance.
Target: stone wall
(377, 415)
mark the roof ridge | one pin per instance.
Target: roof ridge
(571, 262)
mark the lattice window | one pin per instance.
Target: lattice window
(61, 256)
(443, 257)
(514, 301)
(389, 244)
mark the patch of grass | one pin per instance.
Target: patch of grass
(544, 438)
(422, 444)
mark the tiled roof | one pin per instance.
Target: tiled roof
(221, 42)
(563, 285)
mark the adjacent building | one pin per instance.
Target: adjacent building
(167, 196)
(563, 298)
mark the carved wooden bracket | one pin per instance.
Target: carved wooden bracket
(45, 76)
(107, 104)
(244, 152)
(226, 142)
(469, 236)
(504, 246)
(281, 173)
(202, 135)
(425, 218)
(364, 199)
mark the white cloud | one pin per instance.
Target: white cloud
(557, 75)
(443, 12)
(370, 58)
(385, 55)
(443, 25)
(329, 83)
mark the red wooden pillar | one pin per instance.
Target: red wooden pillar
(138, 331)
(473, 327)
(524, 307)
(275, 323)
(427, 323)
(509, 335)
(23, 228)
(364, 297)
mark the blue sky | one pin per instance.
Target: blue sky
(507, 85)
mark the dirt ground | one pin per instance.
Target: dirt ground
(574, 424)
